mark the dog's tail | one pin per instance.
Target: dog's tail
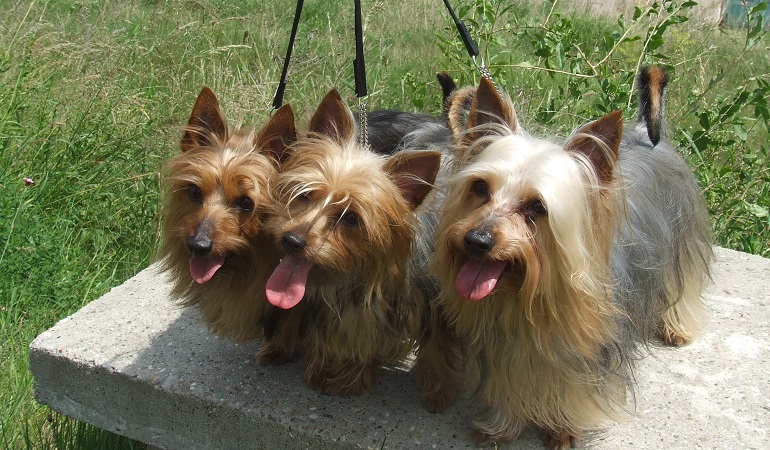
(448, 85)
(651, 84)
(448, 88)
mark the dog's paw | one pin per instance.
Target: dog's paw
(484, 439)
(673, 339)
(351, 381)
(556, 440)
(270, 354)
(438, 400)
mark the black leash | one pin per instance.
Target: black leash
(359, 69)
(278, 99)
(465, 35)
(359, 66)
(470, 44)
(359, 72)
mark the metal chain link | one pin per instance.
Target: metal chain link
(484, 71)
(363, 125)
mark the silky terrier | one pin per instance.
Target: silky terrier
(345, 219)
(559, 263)
(215, 249)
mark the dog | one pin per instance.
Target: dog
(392, 130)
(559, 264)
(215, 250)
(345, 220)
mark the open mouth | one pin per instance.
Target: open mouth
(203, 268)
(286, 286)
(478, 277)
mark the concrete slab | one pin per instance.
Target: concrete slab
(133, 363)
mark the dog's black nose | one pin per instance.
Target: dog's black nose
(199, 244)
(478, 242)
(293, 243)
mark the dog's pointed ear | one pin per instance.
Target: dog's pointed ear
(599, 142)
(278, 134)
(414, 172)
(455, 103)
(457, 107)
(490, 107)
(333, 119)
(206, 121)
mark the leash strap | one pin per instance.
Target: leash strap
(278, 99)
(470, 44)
(359, 72)
(465, 35)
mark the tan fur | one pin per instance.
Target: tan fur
(226, 166)
(457, 107)
(358, 312)
(684, 320)
(438, 364)
(657, 80)
(534, 345)
(559, 262)
(651, 83)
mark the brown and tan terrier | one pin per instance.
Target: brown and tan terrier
(345, 219)
(215, 249)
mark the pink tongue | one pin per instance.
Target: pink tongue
(286, 286)
(478, 277)
(203, 268)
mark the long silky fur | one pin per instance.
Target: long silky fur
(620, 259)
(363, 313)
(439, 359)
(233, 302)
(227, 166)
(543, 356)
(389, 127)
(661, 262)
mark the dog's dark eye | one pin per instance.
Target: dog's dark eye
(350, 219)
(298, 198)
(480, 188)
(244, 204)
(535, 208)
(195, 194)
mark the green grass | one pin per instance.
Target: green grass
(93, 95)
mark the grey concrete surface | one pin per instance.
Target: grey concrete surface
(135, 364)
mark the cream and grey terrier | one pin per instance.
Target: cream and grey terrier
(560, 262)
